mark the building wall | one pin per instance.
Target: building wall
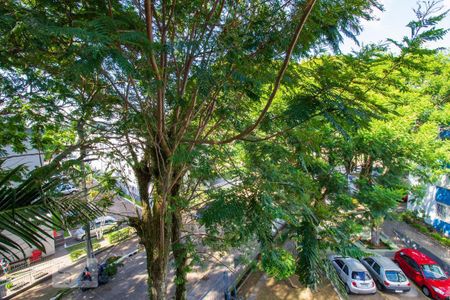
(427, 206)
(48, 243)
(32, 158)
(121, 170)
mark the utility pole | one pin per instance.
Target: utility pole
(83, 154)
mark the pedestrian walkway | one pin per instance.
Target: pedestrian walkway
(46, 289)
(406, 235)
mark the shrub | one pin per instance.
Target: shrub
(119, 235)
(411, 219)
(74, 255)
(112, 265)
(9, 285)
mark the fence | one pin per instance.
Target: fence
(33, 274)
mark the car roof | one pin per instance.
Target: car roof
(104, 218)
(385, 262)
(353, 264)
(417, 256)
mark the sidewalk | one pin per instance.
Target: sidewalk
(205, 281)
(407, 236)
(46, 290)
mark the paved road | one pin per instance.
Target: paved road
(415, 293)
(405, 236)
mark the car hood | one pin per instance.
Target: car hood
(443, 285)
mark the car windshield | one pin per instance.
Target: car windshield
(361, 276)
(395, 276)
(433, 272)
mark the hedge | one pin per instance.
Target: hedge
(426, 229)
(119, 235)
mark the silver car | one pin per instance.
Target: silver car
(387, 275)
(354, 275)
(99, 225)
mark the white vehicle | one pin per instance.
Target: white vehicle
(98, 226)
(66, 189)
(354, 275)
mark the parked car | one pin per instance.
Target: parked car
(354, 275)
(66, 189)
(386, 274)
(100, 224)
(425, 272)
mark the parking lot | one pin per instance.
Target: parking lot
(415, 293)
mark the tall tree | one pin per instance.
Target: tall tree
(186, 78)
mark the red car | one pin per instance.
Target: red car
(425, 272)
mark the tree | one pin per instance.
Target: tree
(177, 70)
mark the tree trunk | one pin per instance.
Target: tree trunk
(155, 238)
(180, 256)
(375, 230)
(375, 236)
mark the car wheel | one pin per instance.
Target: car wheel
(83, 237)
(426, 291)
(347, 289)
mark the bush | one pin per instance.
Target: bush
(411, 219)
(119, 235)
(112, 265)
(9, 285)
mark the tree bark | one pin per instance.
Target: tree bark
(375, 236)
(180, 255)
(156, 239)
(375, 231)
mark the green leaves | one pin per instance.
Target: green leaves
(29, 212)
(278, 263)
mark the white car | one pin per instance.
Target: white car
(100, 224)
(354, 275)
(66, 189)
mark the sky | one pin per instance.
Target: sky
(391, 23)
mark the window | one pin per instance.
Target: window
(410, 262)
(395, 276)
(369, 261)
(433, 272)
(377, 268)
(345, 270)
(361, 276)
(443, 211)
(340, 263)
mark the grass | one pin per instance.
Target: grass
(119, 235)
(426, 229)
(79, 250)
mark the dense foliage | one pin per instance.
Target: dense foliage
(188, 92)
